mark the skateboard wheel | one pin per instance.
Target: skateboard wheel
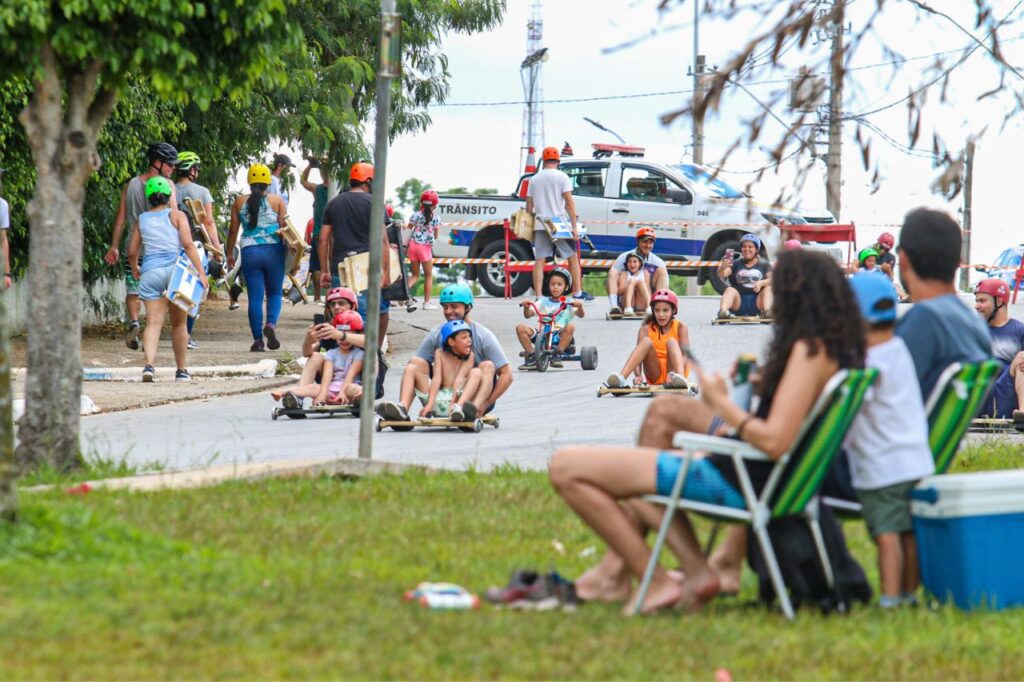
(402, 428)
(478, 426)
(377, 426)
(273, 414)
(497, 422)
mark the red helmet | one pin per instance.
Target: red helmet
(668, 297)
(550, 154)
(994, 287)
(389, 210)
(428, 198)
(645, 232)
(342, 294)
(361, 172)
(887, 240)
(348, 321)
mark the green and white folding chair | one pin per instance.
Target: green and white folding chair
(792, 485)
(951, 406)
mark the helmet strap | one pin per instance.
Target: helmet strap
(995, 309)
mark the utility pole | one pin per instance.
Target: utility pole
(965, 248)
(835, 114)
(389, 68)
(698, 88)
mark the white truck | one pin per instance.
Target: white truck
(617, 192)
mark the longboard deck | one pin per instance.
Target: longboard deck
(645, 390)
(623, 316)
(1004, 426)
(475, 425)
(315, 411)
(742, 320)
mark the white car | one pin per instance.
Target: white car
(695, 215)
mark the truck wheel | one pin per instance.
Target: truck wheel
(717, 255)
(492, 275)
(588, 357)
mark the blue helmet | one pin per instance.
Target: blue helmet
(457, 293)
(753, 239)
(451, 328)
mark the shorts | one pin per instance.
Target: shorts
(1003, 399)
(543, 247)
(887, 510)
(419, 253)
(748, 305)
(361, 298)
(154, 282)
(443, 402)
(555, 338)
(131, 284)
(662, 378)
(704, 482)
(314, 259)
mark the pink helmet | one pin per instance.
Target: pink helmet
(792, 244)
(666, 296)
(342, 294)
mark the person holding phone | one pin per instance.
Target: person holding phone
(749, 281)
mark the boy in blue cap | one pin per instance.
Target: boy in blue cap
(888, 442)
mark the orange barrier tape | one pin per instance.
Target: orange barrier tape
(676, 223)
(585, 262)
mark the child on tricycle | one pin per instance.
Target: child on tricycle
(658, 358)
(559, 282)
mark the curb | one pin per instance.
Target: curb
(86, 407)
(264, 369)
(198, 478)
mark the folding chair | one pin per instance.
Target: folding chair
(952, 405)
(792, 485)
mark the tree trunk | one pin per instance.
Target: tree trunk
(8, 464)
(62, 121)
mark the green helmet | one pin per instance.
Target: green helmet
(187, 160)
(158, 184)
(457, 293)
(866, 253)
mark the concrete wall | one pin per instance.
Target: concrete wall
(102, 302)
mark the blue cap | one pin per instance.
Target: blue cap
(872, 289)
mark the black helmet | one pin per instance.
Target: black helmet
(162, 151)
(282, 160)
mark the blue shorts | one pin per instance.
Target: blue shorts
(361, 298)
(748, 305)
(153, 282)
(704, 482)
(1003, 399)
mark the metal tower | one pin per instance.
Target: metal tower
(530, 75)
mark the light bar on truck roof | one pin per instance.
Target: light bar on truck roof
(603, 150)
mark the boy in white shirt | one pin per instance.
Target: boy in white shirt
(888, 442)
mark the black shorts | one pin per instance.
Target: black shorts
(314, 259)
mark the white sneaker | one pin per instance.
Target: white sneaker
(430, 305)
(676, 381)
(627, 311)
(456, 414)
(616, 380)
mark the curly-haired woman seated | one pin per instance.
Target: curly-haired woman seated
(817, 332)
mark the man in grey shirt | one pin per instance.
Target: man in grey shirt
(496, 373)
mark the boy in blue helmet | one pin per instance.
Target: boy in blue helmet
(495, 372)
(888, 442)
(749, 292)
(559, 284)
(454, 378)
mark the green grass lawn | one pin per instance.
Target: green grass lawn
(304, 578)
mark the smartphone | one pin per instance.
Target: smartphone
(730, 254)
(318, 318)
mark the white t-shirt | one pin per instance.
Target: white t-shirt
(651, 264)
(5, 215)
(546, 189)
(275, 188)
(888, 441)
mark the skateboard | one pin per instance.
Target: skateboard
(316, 411)
(690, 390)
(743, 320)
(623, 316)
(474, 426)
(996, 426)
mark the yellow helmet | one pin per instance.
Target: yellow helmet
(258, 174)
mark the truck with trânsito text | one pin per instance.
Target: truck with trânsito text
(695, 214)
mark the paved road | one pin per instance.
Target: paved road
(540, 412)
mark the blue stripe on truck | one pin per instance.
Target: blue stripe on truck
(664, 247)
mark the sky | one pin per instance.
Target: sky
(601, 49)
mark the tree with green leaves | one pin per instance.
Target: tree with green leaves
(409, 192)
(78, 58)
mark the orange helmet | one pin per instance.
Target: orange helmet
(361, 172)
(644, 232)
(550, 154)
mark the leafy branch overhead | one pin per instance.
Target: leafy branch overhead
(801, 25)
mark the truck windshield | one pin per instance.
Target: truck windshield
(716, 187)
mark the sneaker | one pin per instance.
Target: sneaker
(676, 381)
(290, 401)
(270, 332)
(764, 314)
(616, 310)
(182, 375)
(627, 311)
(583, 296)
(469, 409)
(557, 364)
(430, 305)
(132, 339)
(724, 314)
(528, 365)
(456, 414)
(233, 305)
(257, 346)
(1018, 416)
(519, 585)
(191, 345)
(392, 411)
(616, 380)
(148, 374)
(410, 306)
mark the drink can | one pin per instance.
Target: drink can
(744, 364)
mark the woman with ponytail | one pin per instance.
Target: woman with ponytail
(260, 217)
(424, 225)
